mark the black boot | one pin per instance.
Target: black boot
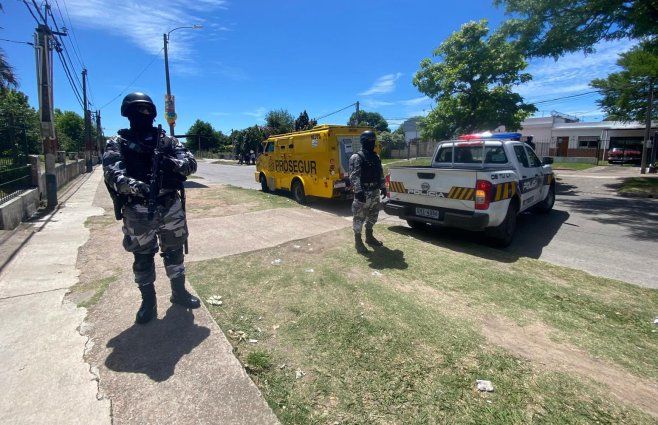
(370, 239)
(180, 296)
(149, 308)
(358, 244)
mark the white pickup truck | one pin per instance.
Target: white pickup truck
(474, 185)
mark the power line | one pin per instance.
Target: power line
(134, 80)
(17, 42)
(565, 97)
(76, 50)
(62, 45)
(335, 112)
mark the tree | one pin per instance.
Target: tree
(472, 83)
(304, 123)
(19, 124)
(625, 93)
(390, 141)
(555, 27)
(70, 129)
(370, 119)
(247, 140)
(203, 132)
(7, 76)
(279, 121)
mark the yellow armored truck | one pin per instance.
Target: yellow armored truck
(309, 163)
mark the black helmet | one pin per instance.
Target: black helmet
(368, 136)
(368, 140)
(134, 99)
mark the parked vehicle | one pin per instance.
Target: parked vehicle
(310, 163)
(624, 156)
(475, 185)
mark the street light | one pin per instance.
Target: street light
(165, 37)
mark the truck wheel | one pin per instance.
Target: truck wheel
(545, 206)
(503, 234)
(298, 193)
(263, 184)
(417, 225)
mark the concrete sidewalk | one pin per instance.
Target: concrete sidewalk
(41, 350)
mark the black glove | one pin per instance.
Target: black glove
(360, 196)
(384, 192)
(140, 188)
(171, 164)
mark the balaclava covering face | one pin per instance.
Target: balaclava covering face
(141, 119)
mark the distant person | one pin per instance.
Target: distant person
(253, 158)
(127, 164)
(368, 183)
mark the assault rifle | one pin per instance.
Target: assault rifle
(156, 179)
(156, 175)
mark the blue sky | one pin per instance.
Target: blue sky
(252, 56)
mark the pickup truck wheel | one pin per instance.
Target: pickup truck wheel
(503, 234)
(545, 206)
(263, 183)
(417, 225)
(298, 193)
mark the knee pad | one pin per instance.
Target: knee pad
(143, 262)
(173, 256)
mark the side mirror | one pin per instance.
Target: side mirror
(547, 160)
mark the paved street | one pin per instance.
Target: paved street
(591, 228)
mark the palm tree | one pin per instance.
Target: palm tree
(7, 76)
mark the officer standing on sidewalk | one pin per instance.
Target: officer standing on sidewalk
(368, 183)
(127, 163)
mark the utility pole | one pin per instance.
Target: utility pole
(356, 123)
(44, 57)
(647, 130)
(87, 116)
(169, 100)
(99, 143)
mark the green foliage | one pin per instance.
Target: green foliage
(370, 119)
(258, 361)
(625, 93)
(19, 124)
(70, 130)
(390, 141)
(472, 83)
(555, 27)
(7, 76)
(204, 135)
(279, 121)
(303, 122)
(249, 139)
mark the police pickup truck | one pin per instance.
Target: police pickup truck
(479, 185)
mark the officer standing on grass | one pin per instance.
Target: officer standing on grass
(368, 183)
(127, 163)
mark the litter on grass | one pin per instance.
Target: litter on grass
(483, 385)
(215, 300)
(309, 270)
(376, 273)
(276, 262)
(299, 374)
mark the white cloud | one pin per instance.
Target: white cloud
(143, 23)
(258, 113)
(372, 103)
(384, 84)
(571, 73)
(417, 101)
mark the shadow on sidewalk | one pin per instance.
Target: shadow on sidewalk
(155, 349)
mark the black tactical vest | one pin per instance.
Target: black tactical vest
(138, 159)
(371, 170)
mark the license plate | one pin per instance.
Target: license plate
(427, 212)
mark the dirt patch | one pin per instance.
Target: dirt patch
(533, 343)
(210, 202)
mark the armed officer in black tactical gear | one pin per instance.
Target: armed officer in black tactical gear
(127, 164)
(368, 184)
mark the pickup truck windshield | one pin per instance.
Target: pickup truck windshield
(471, 153)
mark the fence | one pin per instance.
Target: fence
(15, 176)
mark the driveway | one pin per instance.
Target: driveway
(590, 228)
